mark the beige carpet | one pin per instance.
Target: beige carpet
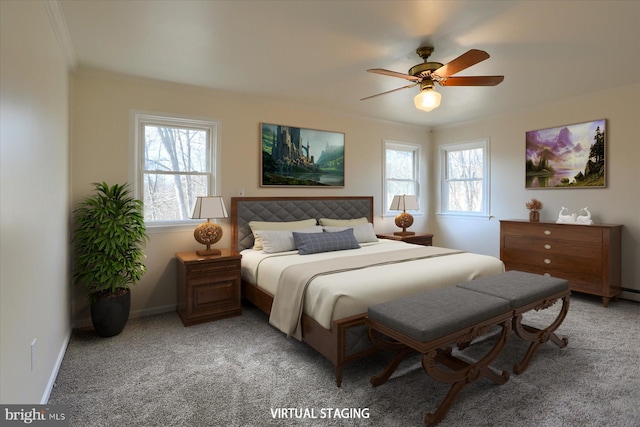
(238, 371)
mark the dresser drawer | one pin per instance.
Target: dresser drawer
(551, 246)
(576, 233)
(578, 280)
(548, 261)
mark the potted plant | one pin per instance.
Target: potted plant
(534, 206)
(108, 239)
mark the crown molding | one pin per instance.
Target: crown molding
(59, 25)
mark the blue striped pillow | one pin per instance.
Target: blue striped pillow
(313, 243)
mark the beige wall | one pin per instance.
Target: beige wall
(101, 106)
(34, 211)
(618, 203)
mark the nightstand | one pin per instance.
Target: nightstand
(423, 239)
(208, 286)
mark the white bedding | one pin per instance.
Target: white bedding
(348, 293)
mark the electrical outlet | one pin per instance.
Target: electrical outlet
(33, 354)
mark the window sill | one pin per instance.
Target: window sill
(171, 227)
(459, 215)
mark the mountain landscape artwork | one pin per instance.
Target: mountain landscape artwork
(568, 156)
(293, 156)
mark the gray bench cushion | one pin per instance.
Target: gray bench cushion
(518, 287)
(437, 313)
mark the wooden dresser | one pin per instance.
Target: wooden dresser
(588, 256)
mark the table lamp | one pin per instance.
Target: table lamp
(404, 219)
(208, 232)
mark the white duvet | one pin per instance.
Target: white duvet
(345, 294)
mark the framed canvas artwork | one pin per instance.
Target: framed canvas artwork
(299, 157)
(570, 156)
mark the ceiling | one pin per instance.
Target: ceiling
(316, 53)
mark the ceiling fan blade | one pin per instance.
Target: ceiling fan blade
(393, 74)
(389, 91)
(471, 81)
(463, 61)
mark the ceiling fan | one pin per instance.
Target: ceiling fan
(428, 73)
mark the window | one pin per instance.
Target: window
(465, 178)
(401, 172)
(175, 163)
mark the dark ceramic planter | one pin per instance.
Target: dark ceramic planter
(110, 313)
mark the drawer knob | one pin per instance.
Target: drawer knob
(547, 232)
(547, 261)
(547, 274)
(547, 246)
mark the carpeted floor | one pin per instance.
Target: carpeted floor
(238, 371)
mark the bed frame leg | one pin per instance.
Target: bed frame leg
(338, 375)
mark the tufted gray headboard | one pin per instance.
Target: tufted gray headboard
(246, 209)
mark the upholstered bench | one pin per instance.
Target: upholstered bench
(428, 322)
(525, 292)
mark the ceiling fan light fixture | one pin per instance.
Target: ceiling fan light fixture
(427, 99)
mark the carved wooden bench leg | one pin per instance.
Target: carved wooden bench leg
(401, 350)
(461, 373)
(539, 336)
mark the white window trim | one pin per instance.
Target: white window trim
(136, 144)
(483, 143)
(416, 148)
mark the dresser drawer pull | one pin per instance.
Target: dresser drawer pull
(547, 232)
(547, 274)
(547, 246)
(547, 261)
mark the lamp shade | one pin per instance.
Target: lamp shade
(427, 99)
(403, 203)
(209, 207)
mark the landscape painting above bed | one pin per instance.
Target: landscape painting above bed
(299, 157)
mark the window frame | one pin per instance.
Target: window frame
(139, 119)
(405, 146)
(444, 149)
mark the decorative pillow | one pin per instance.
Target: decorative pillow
(342, 222)
(286, 225)
(364, 232)
(274, 241)
(312, 243)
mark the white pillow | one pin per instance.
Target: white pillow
(274, 241)
(342, 222)
(285, 225)
(364, 232)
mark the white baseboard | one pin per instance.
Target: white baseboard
(86, 322)
(56, 369)
(631, 296)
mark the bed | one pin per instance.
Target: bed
(332, 303)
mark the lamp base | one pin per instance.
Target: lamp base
(404, 233)
(208, 252)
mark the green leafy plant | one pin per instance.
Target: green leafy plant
(108, 240)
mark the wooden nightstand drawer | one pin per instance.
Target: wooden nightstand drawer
(214, 268)
(424, 239)
(208, 287)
